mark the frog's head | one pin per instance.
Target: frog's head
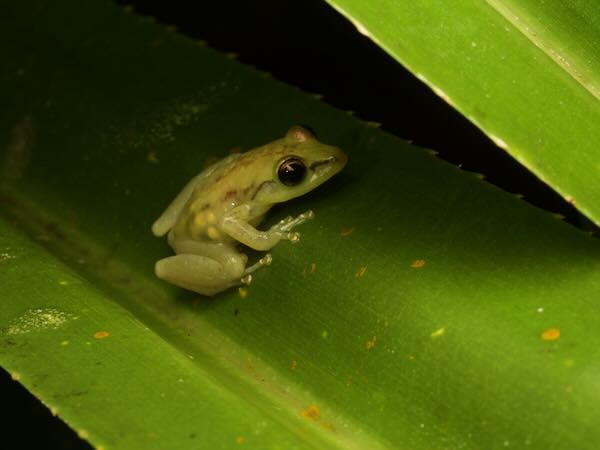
(306, 163)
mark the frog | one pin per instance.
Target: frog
(218, 211)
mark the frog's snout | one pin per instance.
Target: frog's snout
(340, 158)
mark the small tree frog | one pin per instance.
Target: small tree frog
(220, 208)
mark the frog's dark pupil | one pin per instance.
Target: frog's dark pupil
(291, 172)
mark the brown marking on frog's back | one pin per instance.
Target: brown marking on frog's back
(230, 195)
(247, 192)
(249, 158)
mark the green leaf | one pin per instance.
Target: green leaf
(526, 72)
(423, 308)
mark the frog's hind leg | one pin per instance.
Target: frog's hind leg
(207, 268)
(196, 273)
(201, 267)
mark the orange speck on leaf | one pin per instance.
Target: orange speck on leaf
(417, 263)
(371, 343)
(312, 412)
(240, 440)
(361, 272)
(250, 367)
(101, 334)
(309, 270)
(551, 334)
(328, 426)
(346, 231)
(294, 364)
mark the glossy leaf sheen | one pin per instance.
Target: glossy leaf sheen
(526, 72)
(423, 308)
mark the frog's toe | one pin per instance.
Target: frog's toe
(264, 261)
(286, 220)
(308, 215)
(293, 237)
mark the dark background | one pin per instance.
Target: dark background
(311, 46)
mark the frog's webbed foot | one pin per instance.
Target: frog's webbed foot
(247, 275)
(285, 226)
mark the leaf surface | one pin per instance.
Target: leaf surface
(423, 308)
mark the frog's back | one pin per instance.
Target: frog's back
(192, 190)
(208, 178)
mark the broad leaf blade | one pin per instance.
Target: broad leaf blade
(116, 381)
(423, 308)
(526, 73)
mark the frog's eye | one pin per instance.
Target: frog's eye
(291, 171)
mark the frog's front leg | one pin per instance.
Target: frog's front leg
(236, 225)
(206, 268)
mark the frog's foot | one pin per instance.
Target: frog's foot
(247, 275)
(286, 225)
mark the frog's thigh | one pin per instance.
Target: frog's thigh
(233, 261)
(197, 273)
